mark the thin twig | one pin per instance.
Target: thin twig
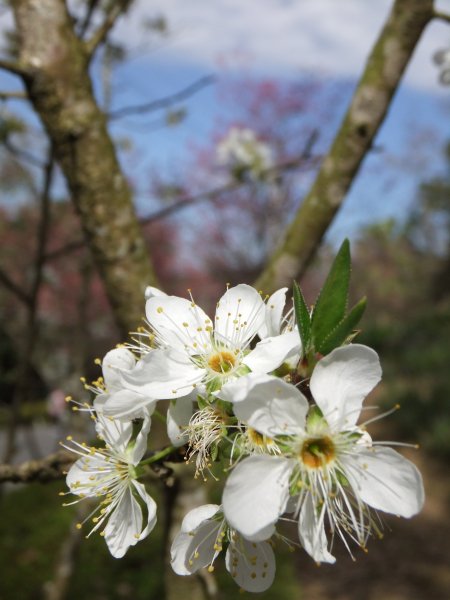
(441, 16)
(117, 9)
(84, 26)
(13, 96)
(13, 67)
(23, 155)
(14, 288)
(210, 195)
(161, 103)
(31, 325)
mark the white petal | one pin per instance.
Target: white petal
(268, 404)
(150, 506)
(114, 362)
(78, 477)
(273, 314)
(163, 374)
(124, 524)
(311, 532)
(252, 565)
(115, 433)
(196, 516)
(179, 552)
(272, 352)
(128, 404)
(385, 480)
(256, 493)
(239, 315)
(178, 322)
(179, 414)
(151, 292)
(201, 551)
(140, 443)
(341, 380)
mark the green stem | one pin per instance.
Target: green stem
(158, 456)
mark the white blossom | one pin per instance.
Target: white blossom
(329, 470)
(204, 534)
(193, 353)
(242, 152)
(126, 513)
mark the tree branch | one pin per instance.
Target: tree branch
(183, 94)
(437, 14)
(31, 327)
(50, 468)
(55, 466)
(14, 288)
(13, 96)
(369, 106)
(13, 67)
(60, 90)
(117, 9)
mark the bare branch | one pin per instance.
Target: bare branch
(116, 10)
(161, 103)
(186, 201)
(14, 288)
(13, 96)
(50, 468)
(369, 106)
(55, 466)
(23, 155)
(92, 5)
(437, 14)
(31, 325)
(13, 67)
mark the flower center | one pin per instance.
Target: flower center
(317, 452)
(222, 362)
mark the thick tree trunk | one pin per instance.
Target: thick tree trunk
(56, 65)
(369, 106)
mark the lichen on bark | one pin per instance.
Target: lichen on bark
(368, 108)
(59, 87)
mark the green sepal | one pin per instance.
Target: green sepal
(344, 329)
(302, 317)
(331, 305)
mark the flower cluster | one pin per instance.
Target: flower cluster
(244, 154)
(257, 405)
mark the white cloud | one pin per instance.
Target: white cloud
(331, 37)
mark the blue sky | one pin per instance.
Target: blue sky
(280, 39)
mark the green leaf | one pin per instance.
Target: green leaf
(331, 305)
(344, 329)
(302, 317)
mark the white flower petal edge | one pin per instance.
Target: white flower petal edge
(311, 531)
(203, 534)
(267, 404)
(114, 362)
(239, 315)
(252, 565)
(274, 314)
(124, 527)
(272, 352)
(386, 481)
(341, 380)
(256, 494)
(179, 414)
